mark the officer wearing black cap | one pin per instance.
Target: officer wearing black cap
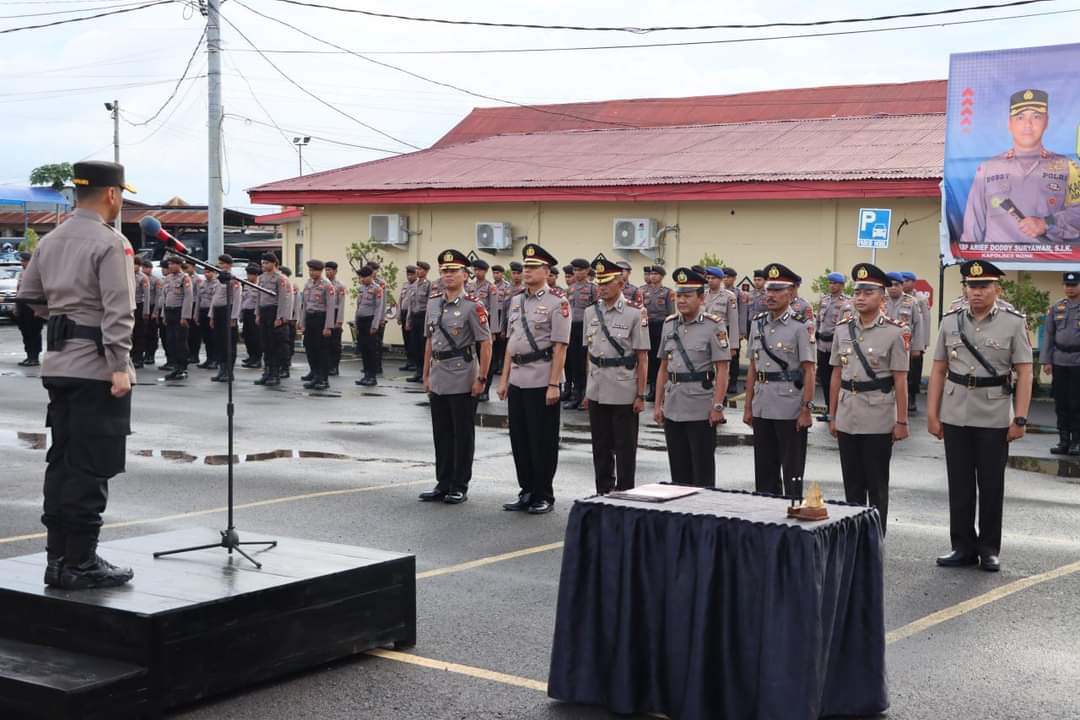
(780, 386)
(404, 306)
(691, 382)
(336, 311)
(581, 293)
(485, 291)
(757, 298)
(539, 329)
(370, 308)
(868, 358)
(30, 324)
(142, 292)
(630, 291)
(274, 319)
(224, 318)
(80, 279)
(316, 311)
(659, 302)
(249, 307)
(1060, 355)
(969, 403)
(178, 312)
(415, 323)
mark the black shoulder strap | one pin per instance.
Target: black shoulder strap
(765, 345)
(525, 324)
(971, 348)
(690, 367)
(858, 351)
(607, 333)
(442, 303)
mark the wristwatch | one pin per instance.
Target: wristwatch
(718, 406)
(809, 404)
(1020, 421)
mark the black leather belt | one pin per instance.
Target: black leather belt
(59, 329)
(826, 338)
(972, 381)
(707, 376)
(1066, 348)
(627, 361)
(884, 384)
(531, 357)
(312, 312)
(465, 352)
(786, 376)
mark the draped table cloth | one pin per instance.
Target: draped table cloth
(717, 605)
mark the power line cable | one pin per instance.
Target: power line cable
(61, 12)
(320, 138)
(644, 30)
(107, 13)
(176, 88)
(312, 95)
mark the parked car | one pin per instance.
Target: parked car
(9, 278)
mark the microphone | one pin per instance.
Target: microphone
(151, 227)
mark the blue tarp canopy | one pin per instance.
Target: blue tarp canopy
(25, 196)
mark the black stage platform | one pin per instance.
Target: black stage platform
(191, 626)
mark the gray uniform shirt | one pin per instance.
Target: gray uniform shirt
(465, 320)
(82, 269)
(756, 306)
(833, 309)
(882, 343)
(791, 340)
(724, 304)
(659, 301)
(142, 287)
(318, 297)
(632, 293)
(370, 301)
(705, 342)
(218, 298)
(249, 298)
(581, 295)
(206, 293)
(548, 314)
(277, 282)
(1002, 339)
(625, 322)
(154, 298)
(421, 293)
(177, 292)
(905, 310)
(1062, 329)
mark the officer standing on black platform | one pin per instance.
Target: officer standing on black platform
(779, 386)
(694, 358)
(539, 329)
(1060, 357)
(275, 314)
(80, 278)
(979, 347)
(225, 325)
(617, 346)
(868, 398)
(457, 355)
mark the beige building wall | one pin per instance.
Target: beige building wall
(807, 235)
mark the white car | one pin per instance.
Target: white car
(9, 278)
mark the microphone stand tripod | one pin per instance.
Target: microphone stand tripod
(230, 538)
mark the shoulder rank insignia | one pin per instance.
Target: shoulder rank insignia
(671, 317)
(761, 315)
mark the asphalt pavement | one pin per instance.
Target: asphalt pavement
(345, 466)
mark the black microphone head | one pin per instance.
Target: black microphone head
(151, 226)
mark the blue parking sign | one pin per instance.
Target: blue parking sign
(875, 226)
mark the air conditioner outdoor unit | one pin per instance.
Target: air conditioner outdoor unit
(389, 229)
(634, 234)
(493, 236)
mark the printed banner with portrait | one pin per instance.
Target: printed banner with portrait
(1012, 175)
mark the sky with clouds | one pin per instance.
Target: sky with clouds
(54, 82)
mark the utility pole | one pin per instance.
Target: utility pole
(114, 107)
(215, 227)
(300, 142)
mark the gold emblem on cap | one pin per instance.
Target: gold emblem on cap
(1028, 95)
(530, 251)
(681, 277)
(774, 272)
(600, 268)
(448, 257)
(976, 270)
(862, 274)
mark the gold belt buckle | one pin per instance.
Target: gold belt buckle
(761, 377)
(971, 382)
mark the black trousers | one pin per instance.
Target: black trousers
(206, 333)
(975, 461)
(177, 350)
(379, 347)
(864, 464)
(498, 350)
(275, 340)
(779, 456)
(575, 361)
(365, 346)
(454, 432)
(406, 338)
(614, 431)
(691, 450)
(151, 332)
(194, 340)
(656, 329)
(733, 374)
(315, 345)
(30, 328)
(333, 348)
(290, 342)
(824, 374)
(1065, 386)
(416, 341)
(138, 336)
(252, 340)
(914, 377)
(225, 339)
(89, 441)
(534, 441)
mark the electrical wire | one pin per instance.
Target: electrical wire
(163, 123)
(312, 95)
(62, 12)
(320, 138)
(106, 13)
(644, 30)
(176, 88)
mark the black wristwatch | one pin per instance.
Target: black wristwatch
(1020, 421)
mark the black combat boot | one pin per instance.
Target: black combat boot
(1062, 448)
(1074, 444)
(85, 569)
(55, 547)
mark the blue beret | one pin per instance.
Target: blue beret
(713, 271)
(908, 275)
(895, 277)
(835, 277)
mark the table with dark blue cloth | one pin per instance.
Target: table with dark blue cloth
(717, 605)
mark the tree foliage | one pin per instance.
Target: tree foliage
(1027, 298)
(360, 253)
(55, 176)
(820, 286)
(29, 241)
(711, 260)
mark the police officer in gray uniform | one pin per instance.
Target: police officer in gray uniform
(978, 349)
(404, 307)
(1060, 355)
(178, 309)
(757, 298)
(456, 360)
(205, 297)
(370, 308)
(225, 319)
(617, 344)
(249, 306)
(337, 316)
(659, 302)
(539, 330)
(497, 321)
(316, 311)
(691, 382)
(918, 349)
(834, 307)
(779, 386)
(80, 279)
(275, 314)
(867, 402)
(142, 314)
(581, 293)
(416, 322)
